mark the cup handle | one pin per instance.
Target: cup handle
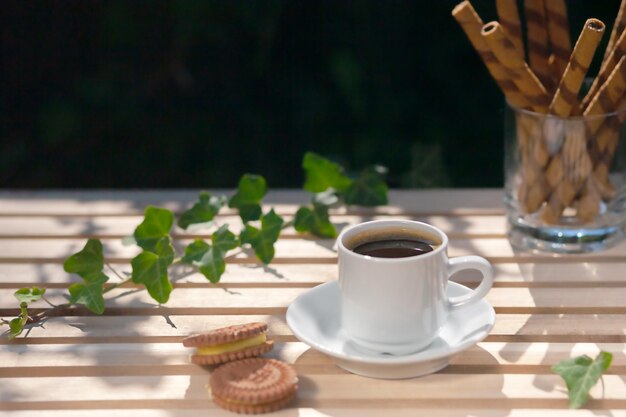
(471, 262)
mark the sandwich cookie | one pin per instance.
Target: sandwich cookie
(253, 386)
(229, 343)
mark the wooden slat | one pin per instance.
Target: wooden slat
(327, 412)
(486, 357)
(120, 226)
(53, 275)
(558, 274)
(90, 203)
(345, 390)
(291, 251)
(202, 301)
(172, 327)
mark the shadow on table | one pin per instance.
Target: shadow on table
(559, 329)
(371, 392)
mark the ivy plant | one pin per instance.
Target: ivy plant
(328, 182)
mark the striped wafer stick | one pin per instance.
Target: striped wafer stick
(619, 50)
(566, 96)
(604, 144)
(567, 171)
(588, 205)
(565, 99)
(576, 166)
(608, 97)
(558, 33)
(523, 77)
(472, 24)
(537, 37)
(530, 195)
(618, 27)
(508, 15)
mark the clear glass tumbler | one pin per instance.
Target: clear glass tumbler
(565, 180)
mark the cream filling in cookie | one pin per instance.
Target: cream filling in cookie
(232, 346)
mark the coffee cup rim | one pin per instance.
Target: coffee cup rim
(435, 230)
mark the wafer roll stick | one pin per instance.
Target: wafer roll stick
(534, 188)
(566, 97)
(605, 70)
(523, 77)
(508, 15)
(618, 28)
(609, 95)
(605, 145)
(472, 24)
(576, 166)
(530, 195)
(537, 37)
(558, 34)
(588, 206)
(528, 130)
(566, 171)
(607, 100)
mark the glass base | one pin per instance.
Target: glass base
(556, 239)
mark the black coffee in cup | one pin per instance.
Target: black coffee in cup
(393, 248)
(393, 244)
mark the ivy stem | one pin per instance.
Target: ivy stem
(48, 301)
(238, 252)
(116, 285)
(24, 313)
(114, 271)
(287, 224)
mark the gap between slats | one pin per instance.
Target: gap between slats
(504, 404)
(313, 369)
(291, 236)
(334, 412)
(575, 338)
(395, 211)
(291, 284)
(527, 259)
(209, 311)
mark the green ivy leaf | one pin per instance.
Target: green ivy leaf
(369, 189)
(212, 265)
(210, 258)
(150, 269)
(315, 221)
(204, 210)
(249, 234)
(322, 174)
(581, 374)
(87, 261)
(156, 224)
(250, 191)
(29, 295)
(262, 241)
(224, 240)
(195, 251)
(16, 327)
(90, 293)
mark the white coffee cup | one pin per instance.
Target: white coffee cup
(398, 305)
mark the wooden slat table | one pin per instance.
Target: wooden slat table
(130, 360)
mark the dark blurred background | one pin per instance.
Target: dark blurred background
(113, 94)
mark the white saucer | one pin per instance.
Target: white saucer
(314, 318)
